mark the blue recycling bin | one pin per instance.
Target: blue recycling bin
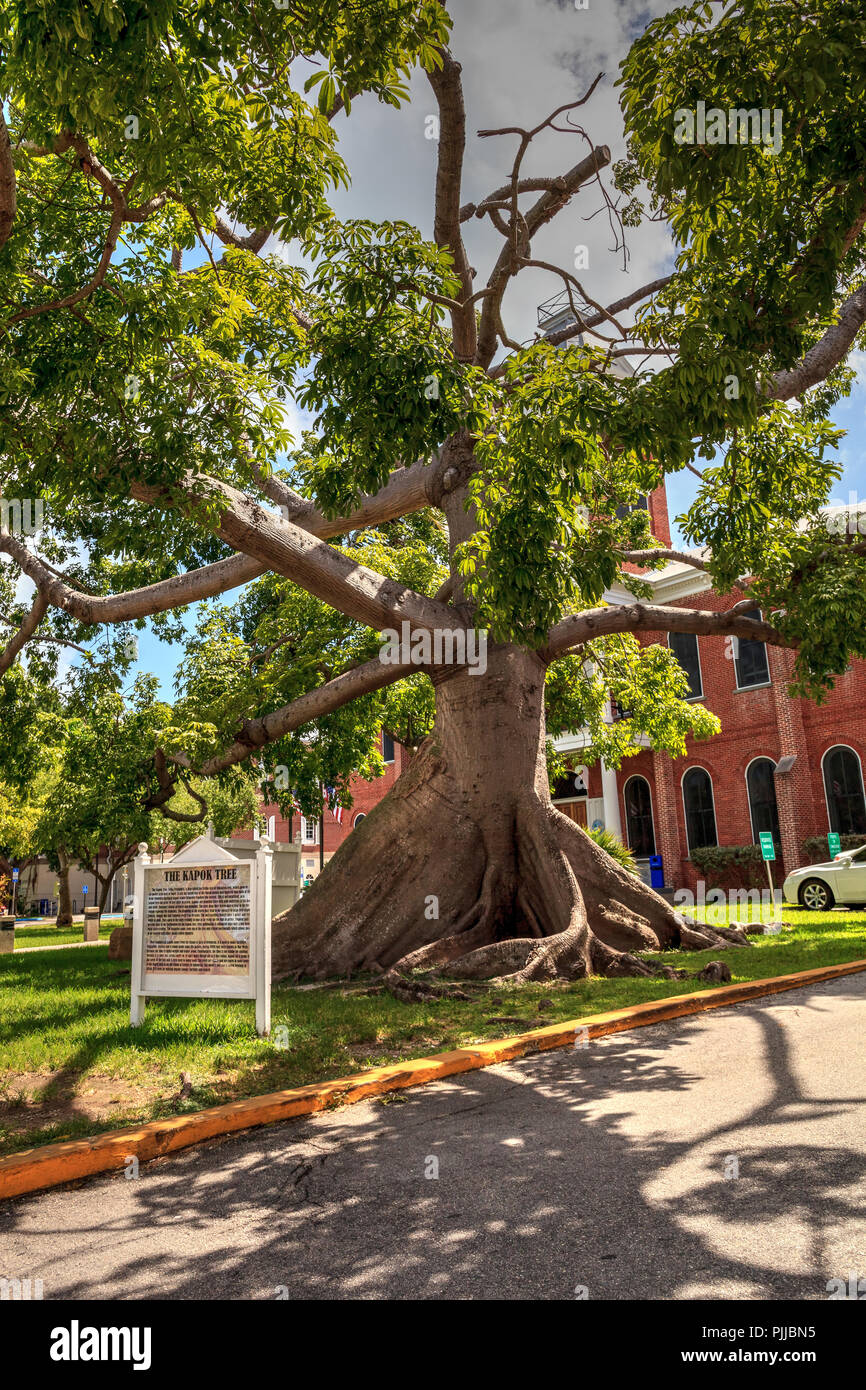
(657, 873)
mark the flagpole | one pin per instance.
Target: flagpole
(322, 832)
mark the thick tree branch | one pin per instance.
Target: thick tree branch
(448, 88)
(7, 183)
(826, 354)
(328, 574)
(407, 490)
(256, 733)
(646, 557)
(171, 593)
(25, 632)
(650, 617)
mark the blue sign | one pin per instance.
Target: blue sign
(14, 875)
(84, 888)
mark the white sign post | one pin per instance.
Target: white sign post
(201, 928)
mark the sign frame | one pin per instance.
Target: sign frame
(204, 853)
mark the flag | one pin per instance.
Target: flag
(336, 811)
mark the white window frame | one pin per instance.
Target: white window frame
(306, 822)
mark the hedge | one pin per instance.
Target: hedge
(817, 851)
(730, 866)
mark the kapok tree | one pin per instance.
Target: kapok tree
(144, 402)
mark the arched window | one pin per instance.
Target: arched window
(699, 807)
(639, 817)
(843, 783)
(761, 786)
(360, 816)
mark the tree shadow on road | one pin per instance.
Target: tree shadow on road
(607, 1169)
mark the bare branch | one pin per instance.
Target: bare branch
(618, 306)
(507, 265)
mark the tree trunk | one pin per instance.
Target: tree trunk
(105, 887)
(466, 866)
(64, 900)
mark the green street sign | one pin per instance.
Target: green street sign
(768, 849)
(835, 843)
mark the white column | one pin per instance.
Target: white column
(612, 818)
(139, 904)
(264, 869)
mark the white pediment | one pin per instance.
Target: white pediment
(203, 850)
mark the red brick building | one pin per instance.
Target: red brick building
(780, 764)
(308, 833)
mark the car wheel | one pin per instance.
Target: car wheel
(816, 896)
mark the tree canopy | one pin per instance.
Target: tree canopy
(454, 475)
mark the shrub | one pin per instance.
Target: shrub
(817, 851)
(730, 866)
(607, 841)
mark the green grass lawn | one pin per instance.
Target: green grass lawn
(46, 934)
(70, 1065)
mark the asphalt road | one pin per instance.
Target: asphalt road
(609, 1169)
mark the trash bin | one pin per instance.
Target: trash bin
(657, 873)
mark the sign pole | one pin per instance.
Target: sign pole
(772, 893)
(138, 1000)
(768, 851)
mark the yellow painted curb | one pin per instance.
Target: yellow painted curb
(36, 1169)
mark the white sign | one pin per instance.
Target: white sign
(201, 928)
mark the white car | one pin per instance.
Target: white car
(819, 886)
